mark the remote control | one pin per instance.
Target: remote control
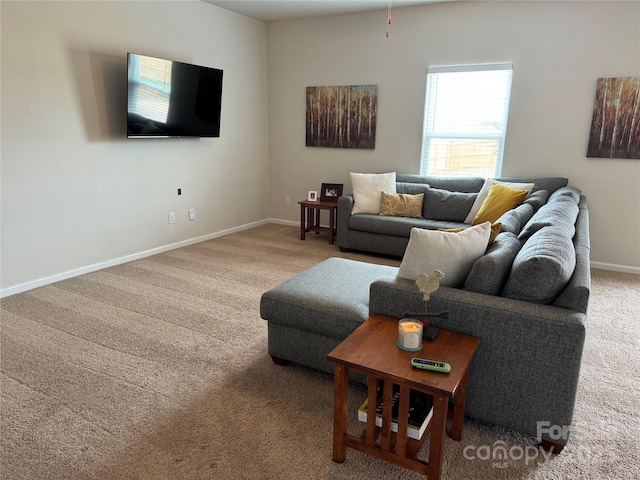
(430, 365)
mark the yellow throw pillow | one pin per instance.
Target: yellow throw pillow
(495, 230)
(500, 199)
(401, 205)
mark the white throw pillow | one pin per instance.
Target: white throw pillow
(484, 191)
(452, 253)
(368, 188)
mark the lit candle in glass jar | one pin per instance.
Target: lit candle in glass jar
(410, 334)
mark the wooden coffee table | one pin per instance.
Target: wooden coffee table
(371, 350)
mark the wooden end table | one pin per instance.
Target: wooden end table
(310, 218)
(371, 350)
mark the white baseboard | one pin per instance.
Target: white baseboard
(615, 268)
(23, 287)
(284, 222)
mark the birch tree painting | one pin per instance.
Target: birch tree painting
(342, 116)
(615, 125)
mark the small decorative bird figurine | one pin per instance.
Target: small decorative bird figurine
(428, 285)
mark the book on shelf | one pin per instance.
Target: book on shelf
(420, 412)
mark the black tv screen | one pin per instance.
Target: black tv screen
(172, 99)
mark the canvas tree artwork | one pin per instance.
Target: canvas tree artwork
(342, 116)
(615, 125)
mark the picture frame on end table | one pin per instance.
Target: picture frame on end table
(330, 192)
(313, 196)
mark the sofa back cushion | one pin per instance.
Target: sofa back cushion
(542, 267)
(550, 184)
(489, 274)
(453, 184)
(474, 184)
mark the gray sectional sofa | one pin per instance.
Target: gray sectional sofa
(446, 204)
(526, 299)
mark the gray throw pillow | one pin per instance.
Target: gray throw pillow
(537, 199)
(571, 192)
(513, 220)
(445, 205)
(542, 267)
(412, 188)
(489, 274)
(562, 213)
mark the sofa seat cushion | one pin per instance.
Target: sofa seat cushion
(397, 226)
(329, 299)
(542, 268)
(490, 272)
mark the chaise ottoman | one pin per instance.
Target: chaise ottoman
(311, 313)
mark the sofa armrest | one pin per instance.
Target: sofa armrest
(345, 205)
(575, 295)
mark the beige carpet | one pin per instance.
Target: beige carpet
(158, 369)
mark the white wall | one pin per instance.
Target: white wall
(558, 49)
(78, 195)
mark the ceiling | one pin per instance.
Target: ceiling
(272, 10)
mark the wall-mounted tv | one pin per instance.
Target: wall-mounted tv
(172, 99)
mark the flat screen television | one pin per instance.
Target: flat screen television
(172, 99)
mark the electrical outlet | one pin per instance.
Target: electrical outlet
(172, 218)
(192, 214)
(287, 201)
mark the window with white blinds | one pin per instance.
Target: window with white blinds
(465, 120)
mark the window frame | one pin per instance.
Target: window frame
(429, 114)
